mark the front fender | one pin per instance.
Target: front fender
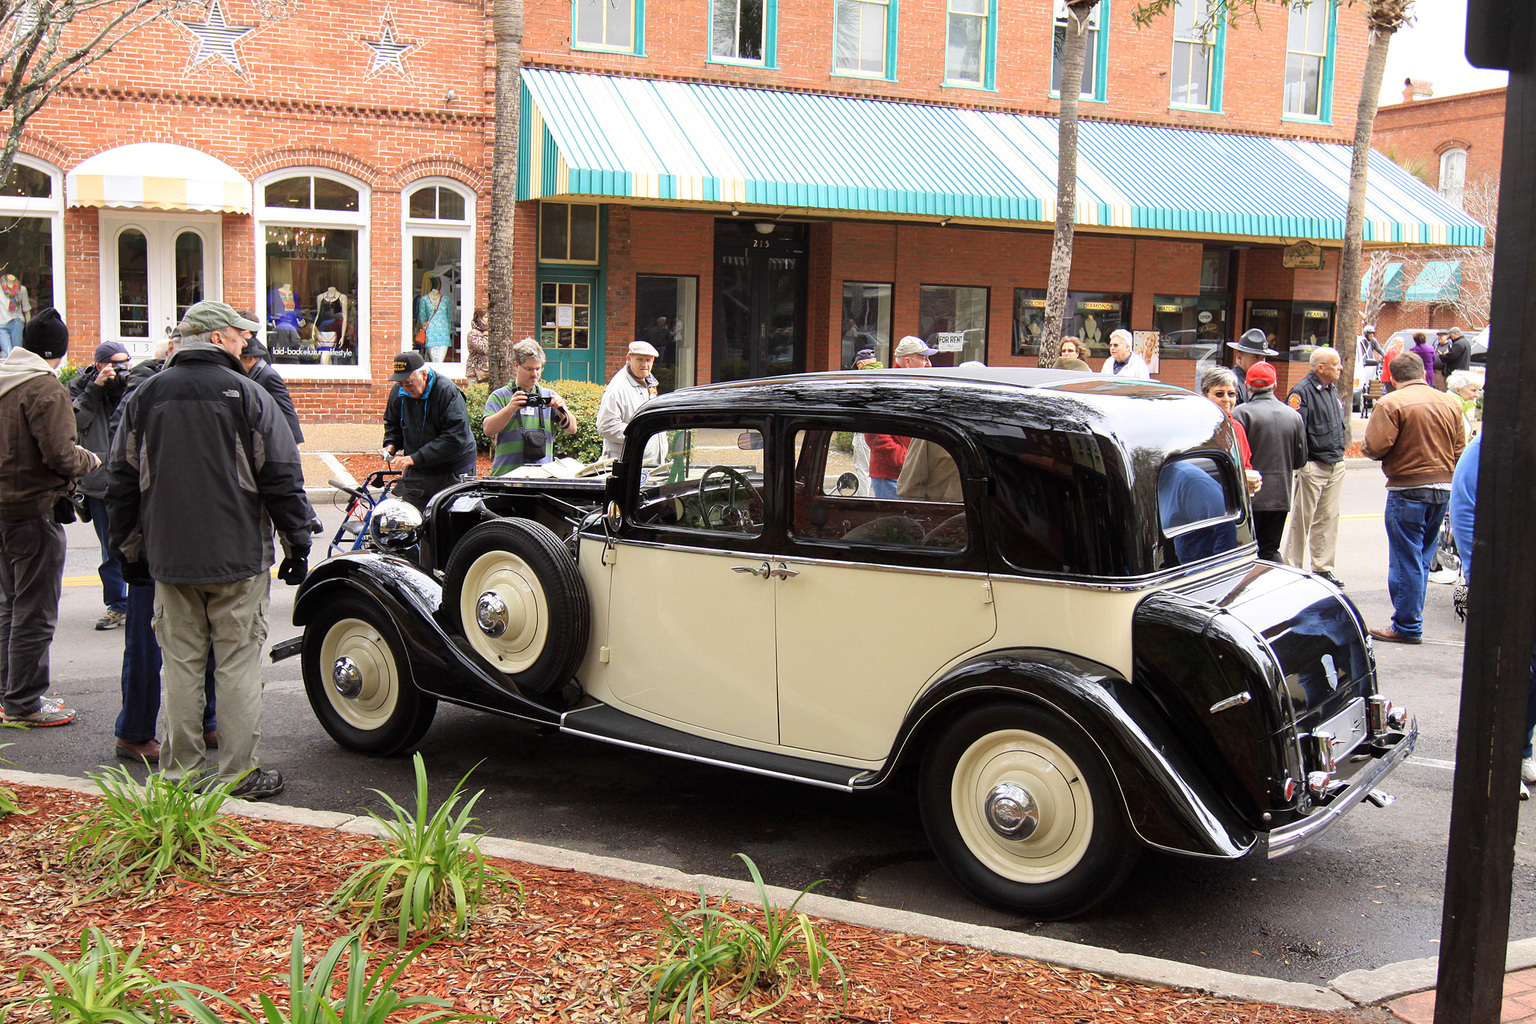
(1168, 800)
(412, 600)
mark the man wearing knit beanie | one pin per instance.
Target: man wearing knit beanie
(38, 460)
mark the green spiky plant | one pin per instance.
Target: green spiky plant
(433, 876)
(142, 833)
(104, 986)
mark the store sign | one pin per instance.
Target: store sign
(1034, 303)
(1205, 316)
(1169, 309)
(1302, 256)
(1316, 314)
(1266, 312)
(565, 316)
(1099, 307)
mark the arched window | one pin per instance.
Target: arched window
(438, 267)
(31, 242)
(1453, 175)
(312, 271)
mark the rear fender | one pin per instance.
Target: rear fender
(1168, 800)
(411, 599)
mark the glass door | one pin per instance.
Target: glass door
(570, 323)
(154, 268)
(759, 295)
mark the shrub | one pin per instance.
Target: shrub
(433, 876)
(143, 831)
(104, 986)
(582, 396)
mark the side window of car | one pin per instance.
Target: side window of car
(869, 488)
(1199, 507)
(703, 478)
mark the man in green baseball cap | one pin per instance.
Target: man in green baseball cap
(211, 315)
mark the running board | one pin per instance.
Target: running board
(608, 725)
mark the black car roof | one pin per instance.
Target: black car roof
(987, 400)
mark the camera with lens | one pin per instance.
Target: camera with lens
(536, 400)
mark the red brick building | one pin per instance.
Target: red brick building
(754, 185)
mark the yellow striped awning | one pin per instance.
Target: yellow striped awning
(158, 176)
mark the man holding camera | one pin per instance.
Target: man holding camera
(203, 468)
(522, 416)
(426, 431)
(96, 396)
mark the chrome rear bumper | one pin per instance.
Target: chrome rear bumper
(1294, 836)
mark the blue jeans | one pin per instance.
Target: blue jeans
(114, 592)
(141, 672)
(882, 487)
(1412, 529)
(10, 335)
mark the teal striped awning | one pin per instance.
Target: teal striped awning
(1438, 281)
(633, 138)
(1392, 284)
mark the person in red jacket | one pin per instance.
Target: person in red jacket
(888, 452)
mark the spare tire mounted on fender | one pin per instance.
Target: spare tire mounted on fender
(520, 602)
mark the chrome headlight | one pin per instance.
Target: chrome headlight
(395, 525)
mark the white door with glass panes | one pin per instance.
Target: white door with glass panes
(153, 269)
(440, 287)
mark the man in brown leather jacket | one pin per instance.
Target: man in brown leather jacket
(38, 459)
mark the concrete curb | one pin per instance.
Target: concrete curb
(1346, 991)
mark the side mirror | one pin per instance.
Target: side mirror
(750, 441)
(614, 518)
(848, 485)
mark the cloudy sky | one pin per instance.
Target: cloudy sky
(1433, 47)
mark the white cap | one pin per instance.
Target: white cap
(1369, 329)
(643, 348)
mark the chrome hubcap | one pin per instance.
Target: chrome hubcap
(1011, 811)
(347, 678)
(491, 614)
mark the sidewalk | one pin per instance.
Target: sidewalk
(1519, 1001)
(329, 439)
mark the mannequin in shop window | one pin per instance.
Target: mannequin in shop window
(15, 311)
(331, 313)
(283, 319)
(434, 314)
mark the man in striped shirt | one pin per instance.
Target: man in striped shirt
(523, 416)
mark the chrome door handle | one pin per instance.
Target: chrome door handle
(784, 572)
(761, 571)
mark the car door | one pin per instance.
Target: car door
(691, 639)
(874, 596)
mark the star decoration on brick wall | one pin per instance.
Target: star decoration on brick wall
(388, 52)
(217, 38)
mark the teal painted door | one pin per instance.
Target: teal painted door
(571, 324)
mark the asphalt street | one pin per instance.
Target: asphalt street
(1366, 894)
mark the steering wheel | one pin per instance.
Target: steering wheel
(738, 518)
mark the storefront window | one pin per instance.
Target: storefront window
(313, 276)
(1090, 317)
(30, 228)
(133, 284)
(866, 320)
(567, 233)
(954, 321)
(438, 233)
(565, 315)
(666, 312)
(1191, 327)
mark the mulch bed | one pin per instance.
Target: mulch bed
(573, 951)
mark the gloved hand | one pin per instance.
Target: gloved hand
(295, 567)
(136, 574)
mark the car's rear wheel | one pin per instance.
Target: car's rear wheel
(357, 680)
(520, 602)
(1022, 810)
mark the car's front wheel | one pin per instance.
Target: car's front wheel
(1022, 811)
(357, 680)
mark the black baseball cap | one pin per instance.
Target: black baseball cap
(407, 363)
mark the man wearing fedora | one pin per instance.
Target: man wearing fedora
(1252, 347)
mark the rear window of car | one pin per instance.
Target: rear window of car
(1199, 508)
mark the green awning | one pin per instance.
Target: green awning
(679, 142)
(1391, 290)
(1439, 281)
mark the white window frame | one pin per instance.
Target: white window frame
(1091, 50)
(53, 209)
(1319, 9)
(886, 71)
(606, 47)
(361, 222)
(1453, 178)
(1208, 43)
(989, 12)
(410, 228)
(160, 230)
(714, 43)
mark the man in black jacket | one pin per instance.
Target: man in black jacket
(426, 431)
(203, 467)
(1320, 484)
(1277, 437)
(254, 358)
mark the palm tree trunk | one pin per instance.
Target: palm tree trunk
(1346, 317)
(507, 27)
(1072, 54)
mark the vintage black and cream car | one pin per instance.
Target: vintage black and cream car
(1058, 627)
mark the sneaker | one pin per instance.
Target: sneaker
(258, 784)
(1445, 576)
(44, 716)
(1525, 792)
(112, 619)
(1528, 770)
